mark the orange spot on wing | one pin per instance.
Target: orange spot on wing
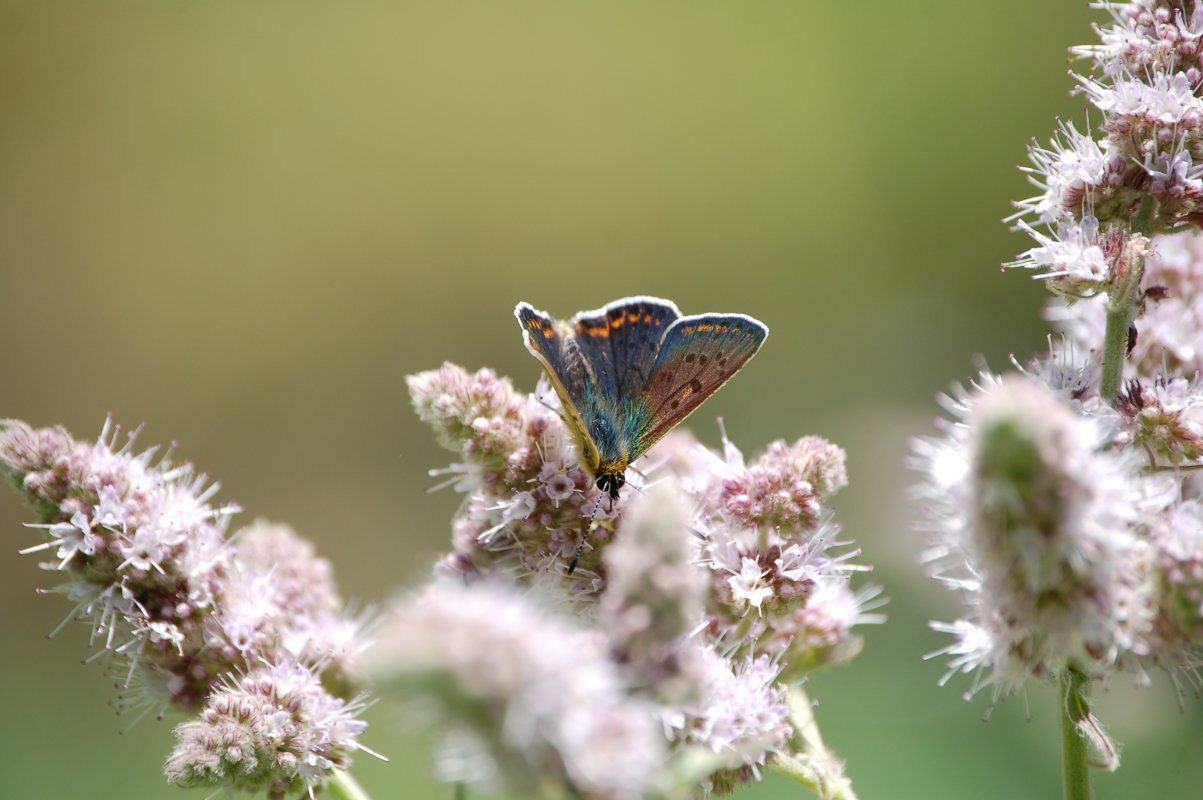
(647, 317)
(547, 332)
(633, 316)
(616, 323)
(706, 328)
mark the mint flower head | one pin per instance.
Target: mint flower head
(1042, 530)
(708, 590)
(274, 730)
(529, 504)
(246, 630)
(143, 553)
(1105, 194)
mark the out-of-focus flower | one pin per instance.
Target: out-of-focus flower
(655, 594)
(1040, 528)
(537, 695)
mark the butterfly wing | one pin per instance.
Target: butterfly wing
(697, 355)
(620, 342)
(567, 371)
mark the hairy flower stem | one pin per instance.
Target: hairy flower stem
(1115, 346)
(1075, 770)
(343, 787)
(811, 763)
(1124, 299)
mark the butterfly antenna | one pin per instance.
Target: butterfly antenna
(580, 548)
(552, 409)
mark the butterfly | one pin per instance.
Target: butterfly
(629, 372)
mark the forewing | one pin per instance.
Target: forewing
(565, 369)
(620, 342)
(697, 356)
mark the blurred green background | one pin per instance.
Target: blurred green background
(243, 223)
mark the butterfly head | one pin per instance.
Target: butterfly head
(611, 482)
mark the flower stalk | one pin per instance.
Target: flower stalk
(344, 787)
(1120, 311)
(811, 763)
(1075, 766)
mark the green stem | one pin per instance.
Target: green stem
(342, 786)
(1075, 769)
(812, 764)
(1115, 346)
(1123, 297)
(459, 792)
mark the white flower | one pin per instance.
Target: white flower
(741, 713)
(1077, 254)
(149, 547)
(559, 487)
(69, 539)
(1162, 98)
(110, 511)
(1065, 172)
(746, 585)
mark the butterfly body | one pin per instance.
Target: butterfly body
(629, 372)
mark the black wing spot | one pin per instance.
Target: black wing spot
(695, 385)
(676, 403)
(689, 358)
(702, 361)
(722, 361)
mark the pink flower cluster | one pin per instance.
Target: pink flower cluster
(714, 598)
(181, 608)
